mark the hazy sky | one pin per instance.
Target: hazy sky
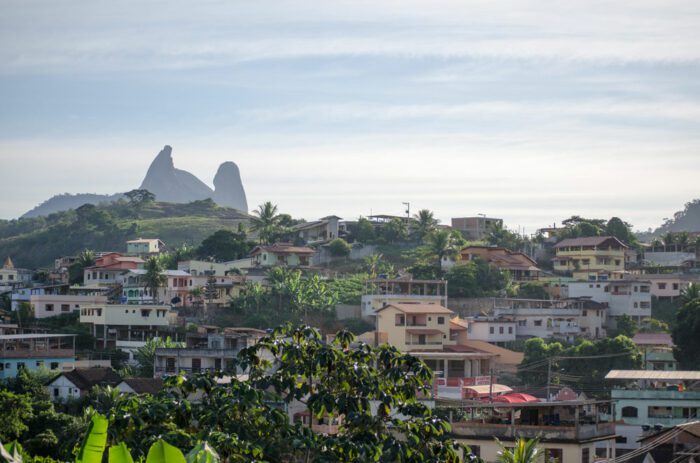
(526, 110)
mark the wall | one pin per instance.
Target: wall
(135, 315)
(62, 389)
(324, 256)
(10, 366)
(397, 336)
(40, 304)
(481, 331)
(470, 305)
(571, 453)
(347, 311)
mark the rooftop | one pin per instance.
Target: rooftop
(419, 308)
(654, 375)
(13, 337)
(589, 241)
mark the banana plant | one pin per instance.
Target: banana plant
(11, 453)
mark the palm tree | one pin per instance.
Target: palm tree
(154, 278)
(525, 451)
(442, 243)
(690, 293)
(425, 223)
(266, 222)
(669, 239)
(86, 259)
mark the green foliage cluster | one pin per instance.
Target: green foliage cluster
(339, 248)
(392, 232)
(36, 242)
(687, 327)
(476, 278)
(224, 246)
(583, 364)
(373, 390)
(577, 227)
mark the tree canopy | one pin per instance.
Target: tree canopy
(687, 328)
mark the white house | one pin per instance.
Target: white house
(76, 383)
(623, 297)
(491, 329)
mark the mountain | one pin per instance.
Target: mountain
(36, 242)
(167, 183)
(686, 220)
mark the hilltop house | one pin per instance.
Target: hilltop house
(78, 382)
(476, 228)
(591, 258)
(144, 247)
(35, 350)
(281, 254)
(8, 275)
(519, 265)
(381, 291)
(109, 267)
(318, 231)
(622, 297)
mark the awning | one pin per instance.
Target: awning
(486, 388)
(654, 375)
(423, 331)
(515, 398)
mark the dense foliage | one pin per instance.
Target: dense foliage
(686, 332)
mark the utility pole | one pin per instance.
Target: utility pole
(491, 385)
(549, 375)
(408, 217)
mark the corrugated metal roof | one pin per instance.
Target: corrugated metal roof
(654, 375)
(13, 337)
(419, 308)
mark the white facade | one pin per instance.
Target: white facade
(51, 305)
(63, 389)
(667, 259)
(623, 297)
(491, 330)
(373, 302)
(559, 323)
(130, 315)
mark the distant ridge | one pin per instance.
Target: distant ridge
(167, 183)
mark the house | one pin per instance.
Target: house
(128, 326)
(678, 444)
(621, 297)
(519, 265)
(476, 228)
(8, 275)
(35, 350)
(494, 330)
(668, 286)
(78, 382)
(319, 231)
(505, 360)
(51, 300)
(144, 247)
(591, 258)
(652, 399)
(109, 267)
(206, 350)
(381, 291)
(281, 254)
(657, 349)
(569, 431)
(140, 385)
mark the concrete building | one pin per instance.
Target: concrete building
(205, 351)
(144, 247)
(591, 258)
(657, 349)
(109, 267)
(491, 329)
(379, 292)
(318, 231)
(622, 297)
(476, 228)
(33, 351)
(652, 399)
(577, 431)
(8, 275)
(128, 326)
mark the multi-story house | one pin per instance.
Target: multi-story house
(52, 300)
(577, 431)
(622, 297)
(657, 350)
(519, 265)
(32, 351)
(207, 350)
(381, 291)
(476, 228)
(496, 330)
(591, 258)
(553, 319)
(128, 326)
(281, 254)
(144, 247)
(8, 275)
(318, 231)
(652, 399)
(668, 286)
(109, 268)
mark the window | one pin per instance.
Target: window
(643, 289)
(636, 305)
(49, 307)
(585, 313)
(554, 455)
(690, 412)
(54, 365)
(55, 392)
(476, 450)
(538, 322)
(441, 320)
(39, 363)
(400, 320)
(510, 330)
(2, 366)
(661, 285)
(617, 261)
(500, 330)
(585, 455)
(522, 322)
(170, 365)
(196, 365)
(65, 307)
(20, 365)
(675, 286)
(491, 330)
(629, 412)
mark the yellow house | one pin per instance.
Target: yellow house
(591, 258)
(415, 326)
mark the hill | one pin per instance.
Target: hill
(37, 241)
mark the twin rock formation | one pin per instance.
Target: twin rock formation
(179, 186)
(168, 184)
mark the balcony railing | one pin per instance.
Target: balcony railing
(571, 433)
(38, 353)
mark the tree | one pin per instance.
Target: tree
(339, 248)
(224, 246)
(626, 326)
(531, 290)
(424, 224)
(154, 278)
(363, 231)
(441, 244)
(394, 231)
(139, 197)
(76, 271)
(500, 236)
(524, 451)
(685, 333)
(145, 355)
(210, 290)
(266, 223)
(652, 325)
(17, 410)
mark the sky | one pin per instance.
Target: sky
(532, 111)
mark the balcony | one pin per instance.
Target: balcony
(37, 353)
(477, 429)
(654, 394)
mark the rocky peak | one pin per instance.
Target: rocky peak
(228, 187)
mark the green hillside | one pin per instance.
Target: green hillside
(36, 242)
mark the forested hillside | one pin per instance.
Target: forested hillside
(36, 242)
(686, 220)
